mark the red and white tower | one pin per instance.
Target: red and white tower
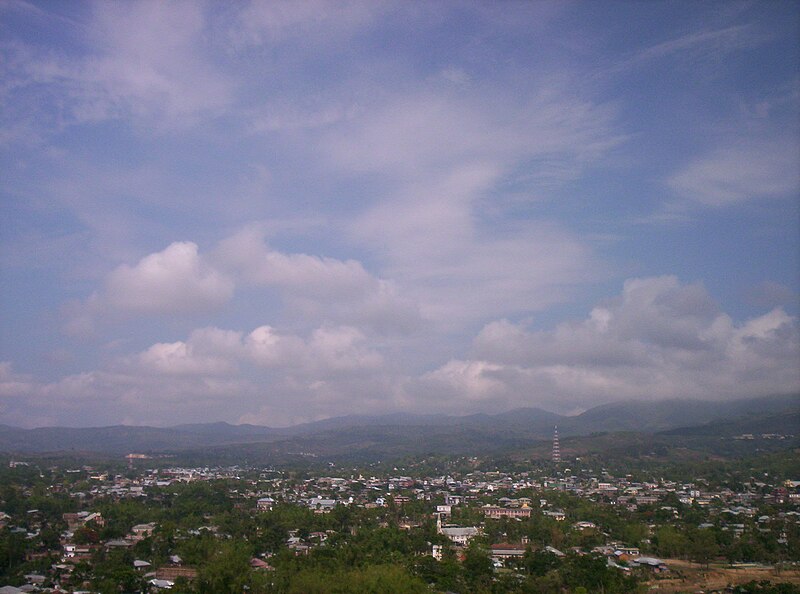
(556, 447)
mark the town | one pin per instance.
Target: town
(558, 526)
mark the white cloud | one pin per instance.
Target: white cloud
(418, 133)
(179, 280)
(12, 384)
(745, 171)
(143, 61)
(341, 348)
(318, 287)
(179, 358)
(213, 351)
(175, 280)
(707, 45)
(247, 253)
(222, 373)
(458, 272)
(438, 226)
(659, 339)
(276, 21)
(268, 348)
(467, 381)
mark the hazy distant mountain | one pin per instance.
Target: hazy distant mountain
(388, 433)
(521, 419)
(122, 438)
(667, 414)
(783, 423)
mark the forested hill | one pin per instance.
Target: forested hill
(393, 432)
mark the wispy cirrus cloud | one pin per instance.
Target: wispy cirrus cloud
(269, 23)
(748, 170)
(142, 62)
(700, 46)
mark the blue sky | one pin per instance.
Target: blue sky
(275, 212)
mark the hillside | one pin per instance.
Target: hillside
(395, 434)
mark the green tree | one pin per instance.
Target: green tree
(670, 542)
(703, 546)
(478, 568)
(227, 571)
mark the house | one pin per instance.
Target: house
(556, 514)
(491, 511)
(458, 534)
(320, 505)
(172, 573)
(452, 499)
(76, 553)
(257, 563)
(504, 550)
(651, 563)
(626, 553)
(265, 504)
(437, 552)
(159, 584)
(142, 531)
(96, 519)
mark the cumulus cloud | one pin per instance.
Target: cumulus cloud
(218, 370)
(180, 358)
(319, 287)
(12, 384)
(173, 280)
(328, 349)
(247, 253)
(659, 339)
(180, 280)
(105, 397)
(176, 281)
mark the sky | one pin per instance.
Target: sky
(280, 211)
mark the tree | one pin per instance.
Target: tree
(670, 542)
(539, 562)
(478, 568)
(703, 547)
(227, 571)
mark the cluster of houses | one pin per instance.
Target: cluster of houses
(496, 495)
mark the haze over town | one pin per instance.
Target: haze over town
(276, 212)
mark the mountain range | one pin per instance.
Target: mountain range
(387, 434)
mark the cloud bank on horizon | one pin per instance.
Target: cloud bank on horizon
(274, 212)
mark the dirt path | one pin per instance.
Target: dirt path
(688, 577)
